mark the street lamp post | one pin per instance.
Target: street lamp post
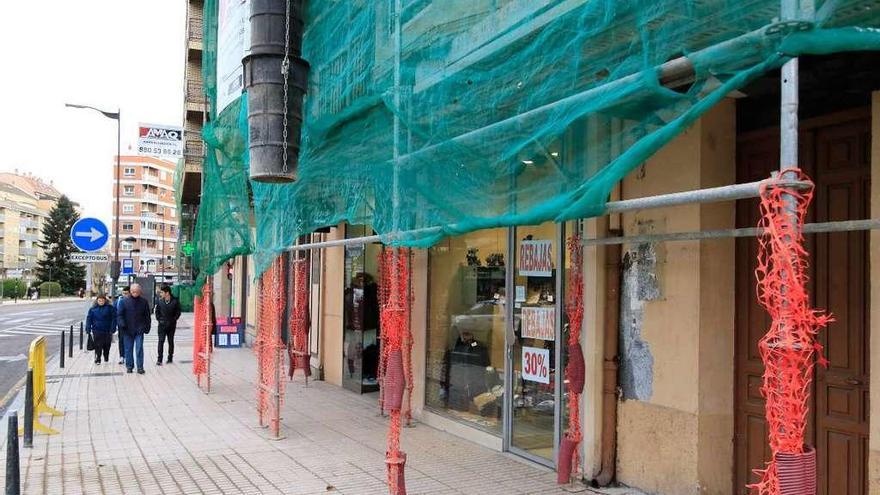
(114, 266)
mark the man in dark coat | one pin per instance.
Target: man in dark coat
(134, 320)
(167, 313)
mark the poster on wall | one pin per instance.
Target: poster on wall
(536, 364)
(233, 38)
(160, 141)
(536, 258)
(539, 323)
(228, 332)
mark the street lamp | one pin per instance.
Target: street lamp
(114, 266)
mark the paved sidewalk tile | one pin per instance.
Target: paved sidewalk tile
(159, 434)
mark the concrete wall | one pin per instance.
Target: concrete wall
(677, 438)
(874, 303)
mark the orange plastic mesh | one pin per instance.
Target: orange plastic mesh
(574, 308)
(270, 348)
(790, 346)
(202, 345)
(299, 320)
(394, 297)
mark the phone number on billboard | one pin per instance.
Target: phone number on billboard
(159, 151)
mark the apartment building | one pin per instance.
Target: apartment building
(148, 217)
(190, 181)
(25, 202)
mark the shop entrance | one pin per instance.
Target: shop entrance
(361, 326)
(534, 382)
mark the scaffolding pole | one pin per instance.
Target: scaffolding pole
(702, 235)
(710, 195)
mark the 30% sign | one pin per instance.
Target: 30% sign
(536, 364)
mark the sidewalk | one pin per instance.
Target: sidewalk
(28, 302)
(158, 433)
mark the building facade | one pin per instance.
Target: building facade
(194, 103)
(148, 216)
(672, 401)
(25, 202)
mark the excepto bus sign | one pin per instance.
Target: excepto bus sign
(536, 258)
(160, 141)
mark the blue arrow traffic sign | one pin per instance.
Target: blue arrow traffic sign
(89, 234)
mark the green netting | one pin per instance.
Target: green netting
(185, 295)
(222, 228)
(510, 112)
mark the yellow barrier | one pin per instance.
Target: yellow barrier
(37, 361)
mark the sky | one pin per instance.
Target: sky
(110, 54)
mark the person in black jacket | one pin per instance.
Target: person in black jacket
(100, 324)
(167, 314)
(134, 320)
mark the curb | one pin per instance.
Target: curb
(13, 391)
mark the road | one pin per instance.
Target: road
(20, 324)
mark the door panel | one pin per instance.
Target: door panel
(840, 275)
(836, 155)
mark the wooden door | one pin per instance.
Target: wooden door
(835, 152)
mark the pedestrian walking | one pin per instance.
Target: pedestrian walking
(125, 293)
(167, 314)
(101, 324)
(134, 321)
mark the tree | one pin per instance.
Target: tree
(57, 246)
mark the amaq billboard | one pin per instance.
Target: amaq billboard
(160, 141)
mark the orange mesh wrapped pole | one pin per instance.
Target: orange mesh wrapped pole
(790, 346)
(394, 315)
(299, 320)
(269, 348)
(569, 457)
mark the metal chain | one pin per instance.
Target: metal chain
(285, 73)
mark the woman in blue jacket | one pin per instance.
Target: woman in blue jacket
(101, 324)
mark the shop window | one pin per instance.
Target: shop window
(466, 325)
(361, 331)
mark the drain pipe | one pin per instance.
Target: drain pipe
(610, 364)
(275, 75)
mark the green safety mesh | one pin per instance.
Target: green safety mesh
(185, 294)
(222, 228)
(510, 112)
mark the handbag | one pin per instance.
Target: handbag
(90, 343)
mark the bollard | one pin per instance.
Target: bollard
(13, 475)
(29, 410)
(61, 354)
(80, 335)
(70, 344)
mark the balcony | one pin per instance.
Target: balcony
(29, 236)
(29, 223)
(195, 92)
(195, 29)
(150, 196)
(27, 251)
(193, 148)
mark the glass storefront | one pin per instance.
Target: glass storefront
(466, 324)
(535, 314)
(361, 328)
(497, 333)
